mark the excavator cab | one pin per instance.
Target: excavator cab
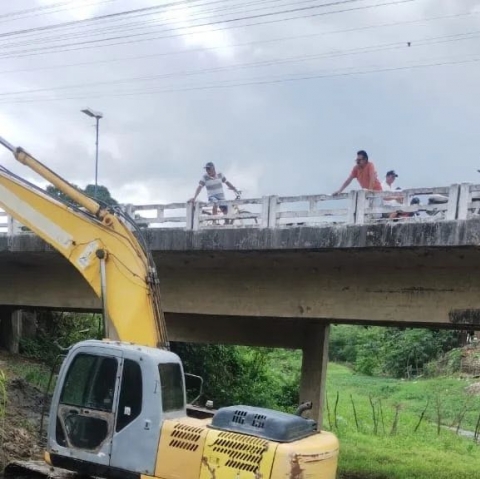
(109, 403)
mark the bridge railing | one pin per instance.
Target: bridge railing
(415, 204)
(455, 202)
(469, 201)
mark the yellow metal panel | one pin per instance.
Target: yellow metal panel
(229, 455)
(181, 448)
(314, 457)
(78, 238)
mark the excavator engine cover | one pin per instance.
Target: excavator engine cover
(263, 423)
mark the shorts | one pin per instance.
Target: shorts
(217, 200)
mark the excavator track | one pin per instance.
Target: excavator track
(36, 469)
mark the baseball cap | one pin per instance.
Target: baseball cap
(392, 172)
(209, 165)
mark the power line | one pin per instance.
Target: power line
(244, 44)
(88, 45)
(99, 18)
(47, 9)
(258, 82)
(144, 24)
(428, 41)
(153, 22)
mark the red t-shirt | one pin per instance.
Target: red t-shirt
(365, 174)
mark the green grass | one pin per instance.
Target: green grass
(405, 455)
(34, 373)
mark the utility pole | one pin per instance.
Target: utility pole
(97, 115)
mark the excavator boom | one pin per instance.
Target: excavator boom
(119, 410)
(98, 243)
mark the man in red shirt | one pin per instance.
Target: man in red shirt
(365, 173)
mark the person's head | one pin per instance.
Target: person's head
(210, 168)
(390, 177)
(362, 158)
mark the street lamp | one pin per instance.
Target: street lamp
(97, 115)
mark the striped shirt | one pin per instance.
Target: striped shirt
(213, 184)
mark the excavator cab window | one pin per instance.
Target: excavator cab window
(173, 398)
(86, 401)
(130, 402)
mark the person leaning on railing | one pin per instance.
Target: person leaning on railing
(213, 182)
(365, 173)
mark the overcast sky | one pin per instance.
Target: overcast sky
(165, 116)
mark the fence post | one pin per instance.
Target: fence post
(463, 200)
(272, 211)
(352, 207)
(264, 213)
(452, 206)
(129, 210)
(14, 227)
(190, 208)
(160, 212)
(360, 209)
(196, 208)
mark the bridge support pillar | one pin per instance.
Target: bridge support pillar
(15, 323)
(314, 368)
(10, 329)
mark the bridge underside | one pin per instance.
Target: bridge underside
(276, 298)
(248, 297)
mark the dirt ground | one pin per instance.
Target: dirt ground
(20, 438)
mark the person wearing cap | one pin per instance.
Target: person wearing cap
(213, 182)
(387, 185)
(365, 173)
(390, 178)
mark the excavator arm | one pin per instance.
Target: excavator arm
(119, 410)
(100, 244)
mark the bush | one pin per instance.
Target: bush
(396, 352)
(65, 329)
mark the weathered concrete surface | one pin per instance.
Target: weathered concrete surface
(425, 274)
(392, 235)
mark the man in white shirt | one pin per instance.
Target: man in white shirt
(387, 185)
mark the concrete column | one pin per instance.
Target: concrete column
(314, 369)
(10, 329)
(29, 324)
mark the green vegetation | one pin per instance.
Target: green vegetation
(388, 427)
(103, 194)
(392, 352)
(59, 330)
(416, 447)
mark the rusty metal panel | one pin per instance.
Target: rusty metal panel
(229, 455)
(314, 457)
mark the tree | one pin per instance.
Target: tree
(103, 194)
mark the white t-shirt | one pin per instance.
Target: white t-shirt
(387, 187)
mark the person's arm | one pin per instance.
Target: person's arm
(230, 186)
(347, 182)
(197, 192)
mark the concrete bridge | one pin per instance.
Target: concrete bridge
(281, 279)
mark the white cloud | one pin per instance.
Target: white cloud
(290, 138)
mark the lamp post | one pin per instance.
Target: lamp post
(97, 115)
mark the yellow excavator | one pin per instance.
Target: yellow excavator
(119, 405)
